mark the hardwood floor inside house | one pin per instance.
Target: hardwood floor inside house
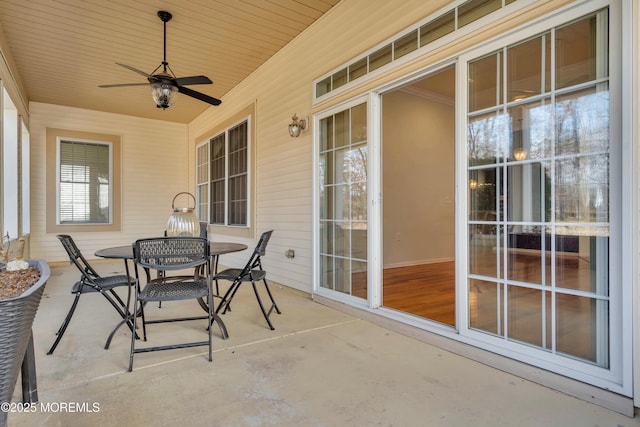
(426, 290)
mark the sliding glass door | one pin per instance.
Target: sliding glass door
(524, 205)
(540, 161)
(343, 213)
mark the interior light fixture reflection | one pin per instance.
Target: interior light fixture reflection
(520, 154)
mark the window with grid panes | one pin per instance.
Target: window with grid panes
(202, 181)
(227, 157)
(237, 180)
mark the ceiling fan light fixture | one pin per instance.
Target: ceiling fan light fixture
(164, 95)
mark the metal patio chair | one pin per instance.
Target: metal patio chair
(91, 282)
(166, 254)
(252, 272)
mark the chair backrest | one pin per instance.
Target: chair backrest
(259, 251)
(171, 253)
(76, 257)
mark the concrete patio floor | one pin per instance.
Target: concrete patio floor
(320, 367)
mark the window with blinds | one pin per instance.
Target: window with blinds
(84, 182)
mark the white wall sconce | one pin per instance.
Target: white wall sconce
(296, 127)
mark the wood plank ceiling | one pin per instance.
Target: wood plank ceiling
(64, 49)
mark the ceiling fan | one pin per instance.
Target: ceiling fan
(165, 84)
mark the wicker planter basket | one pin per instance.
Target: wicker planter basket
(16, 319)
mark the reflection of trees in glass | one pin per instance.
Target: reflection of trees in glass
(355, 173)
(582, 182)
(582, 189)
(536, 121)
(582, 122)
(581, 150)
(485, 137)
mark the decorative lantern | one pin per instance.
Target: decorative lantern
(183, 222)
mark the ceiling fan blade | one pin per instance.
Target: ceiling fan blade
(125, 84)
(193, 80)
(135, 70)
(200, 96)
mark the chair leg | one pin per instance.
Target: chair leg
(233, 289)
(228, 296)
(123, 306)
(65, 323)
(231, 292)
(273, 302)
(121, 309)
(117, 297)
(210, 298)
(133, 339)
(133, 334)
(227, 306)
(266, 316)
(144, 323)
